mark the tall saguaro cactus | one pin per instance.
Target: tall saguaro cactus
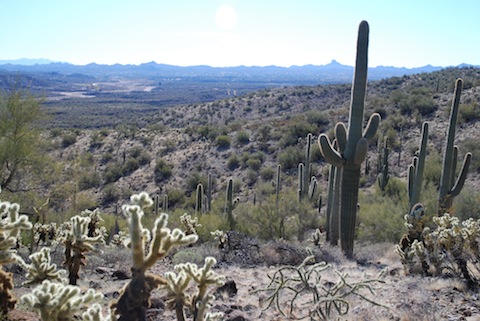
(352, 143)
(415, 170)
(449, 187)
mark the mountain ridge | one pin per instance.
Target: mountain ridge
(333, 72)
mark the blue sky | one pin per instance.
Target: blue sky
(403, 33)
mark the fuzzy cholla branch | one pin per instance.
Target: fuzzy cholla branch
(94, 313)
(58, 302)
(197, 303)
(11, 223)
(77, 243)
(147, 248)
(42, 268)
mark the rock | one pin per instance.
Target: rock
(120, 275)
(229, 288)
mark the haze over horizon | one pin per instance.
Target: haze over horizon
(227, 33)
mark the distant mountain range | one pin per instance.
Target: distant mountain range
(333, 72)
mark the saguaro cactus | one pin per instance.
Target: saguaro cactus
(229, 204)
(383, 176)
(415, 170)
(199, 206)
(352, 143)
(449, 187)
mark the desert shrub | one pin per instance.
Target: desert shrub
(242, 138)
(267, 173)
(469, 113)
(252, 177)
(68, 139)
(290, 157)
(467, 204)
(211, 222)
(113, 172)
(433, 168)
(193, 180)
(470, 145)
(130, 166)
(254, 164)
(110, 194)
(414, 101)
(144, 158)
(106, 157)
(291, 219)
(89, 180)
(162, 170)
(223, 141)
(381, 220)
(233, 162)
(187, 255)
(176, 197)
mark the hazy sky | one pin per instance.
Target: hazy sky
(403, 33)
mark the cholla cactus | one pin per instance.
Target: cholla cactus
(120, 239)
(197, 303)
(42, 268)
(94, 220)
(94, 313)
(315, 237)
(11, 223)
(190, 224)
(58, 302)
(134, 299)
(45, 233)
(77, 243)
(221, 237)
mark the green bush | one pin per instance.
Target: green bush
(267, 173)
(162, 171)
(223, 141)
(233, 162)
(68, 139)
(290, 157)
(112, 173)
(291, 219)
(89, 180)
(467, 204)
(242, 138)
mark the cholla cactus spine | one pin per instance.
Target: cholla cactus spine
(10, 227)
(178, 282)
(41, 268)
(134, 300)
(58, 302)
(77, 243)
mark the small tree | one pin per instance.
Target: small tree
(20, 113)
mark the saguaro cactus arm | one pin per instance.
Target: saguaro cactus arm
(448, 189)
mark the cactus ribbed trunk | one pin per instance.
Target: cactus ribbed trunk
(449, 188)
(335, 211)
(348, 208)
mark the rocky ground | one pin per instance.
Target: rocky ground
(396, 296)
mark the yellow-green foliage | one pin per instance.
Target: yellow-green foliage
(268, 221)
(380, 215)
